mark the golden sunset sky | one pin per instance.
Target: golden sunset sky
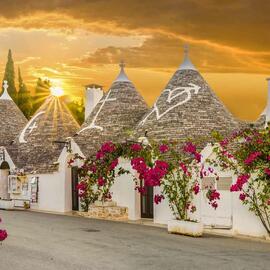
(76, 42)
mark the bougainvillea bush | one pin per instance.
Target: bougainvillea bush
(177, 171)
(97, 175)
(247, 154)
(3, 234)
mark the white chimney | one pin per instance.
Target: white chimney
(267, 110)
(93, 94)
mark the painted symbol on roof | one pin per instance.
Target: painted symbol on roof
(102, 102)
(32, 124)
(172, 96)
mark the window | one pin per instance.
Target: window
(208, 182)
(14, 185)
(224, 183)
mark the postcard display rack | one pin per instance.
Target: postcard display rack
(22, 189)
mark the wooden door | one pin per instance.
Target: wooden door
(147, 204)
(74, 182)
(222, 216)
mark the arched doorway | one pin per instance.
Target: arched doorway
(4, 173)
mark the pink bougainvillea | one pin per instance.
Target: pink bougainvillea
(113, 164)
(242, 196)
(3, 234)
(81, 187)
(252, 157)
(100, 155)
(107, 147)
(247, 154)
(174, 173)
(267, 171)
(241, 180)
(196, 188)
(136, 147)
(190, 148)
(101, 181)
(163, 148)
(158, 198)
(213, 195)
(185, 169)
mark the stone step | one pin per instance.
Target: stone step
(108, 212)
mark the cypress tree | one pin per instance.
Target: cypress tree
(10, 77)
(24, 98)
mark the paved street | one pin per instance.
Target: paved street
(44, 241)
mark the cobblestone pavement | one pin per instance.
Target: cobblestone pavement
(46, 241)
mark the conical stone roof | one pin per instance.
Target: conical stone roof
(264, 118)
(37, 149)
(115, 115)
(12, 119)
(186, 108)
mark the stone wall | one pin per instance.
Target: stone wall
(106, 212)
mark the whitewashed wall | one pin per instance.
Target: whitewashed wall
(244, 222)
(124, 193)
(230, 214)
(51, 196)
(54, 188)
(4, 176)
(162, 211)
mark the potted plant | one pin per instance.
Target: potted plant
(178, 172)
(180, 184)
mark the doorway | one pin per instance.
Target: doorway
(147, 204)
(74, 190)
(4, 173)
(221, 217)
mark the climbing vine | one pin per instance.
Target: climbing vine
(178, 171)
(247, 154)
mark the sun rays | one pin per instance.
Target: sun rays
(57, 91)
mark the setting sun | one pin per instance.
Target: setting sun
(57, 91)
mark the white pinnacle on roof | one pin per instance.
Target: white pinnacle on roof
(122, 77)
(186, 63)
(266, 111)
(5, 94)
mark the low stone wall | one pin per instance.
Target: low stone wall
(106, 212)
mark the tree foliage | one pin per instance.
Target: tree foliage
(9, 76)
(24, 97)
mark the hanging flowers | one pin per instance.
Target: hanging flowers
(177, 173)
